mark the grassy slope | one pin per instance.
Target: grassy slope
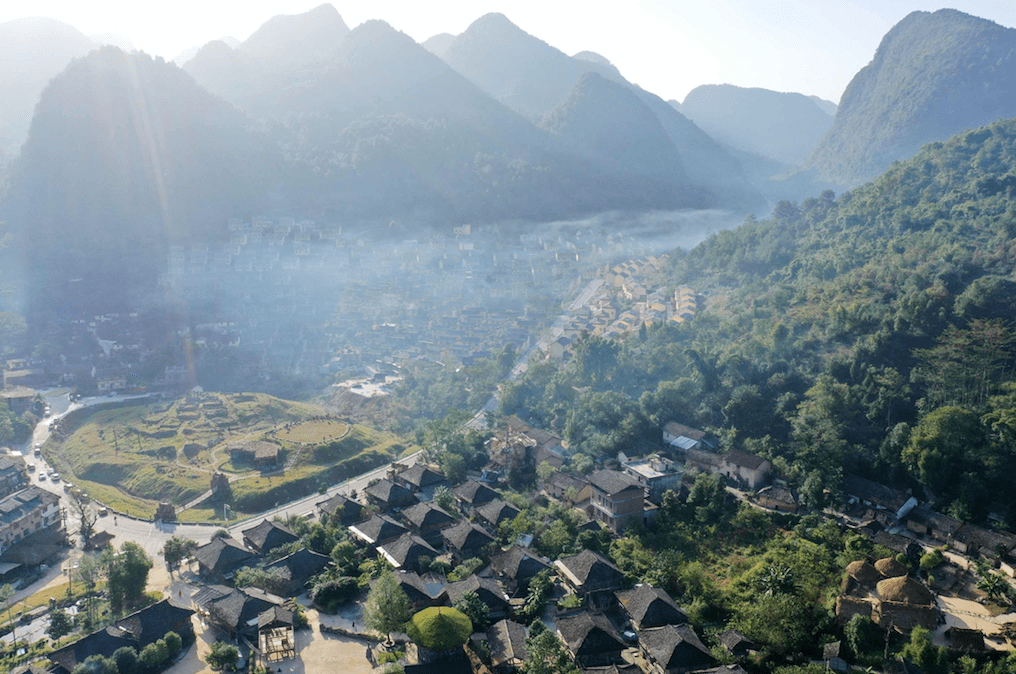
(134, 457)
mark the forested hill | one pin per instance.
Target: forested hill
(897, 301)
(934, 75)
(871, 333)
(126, 155)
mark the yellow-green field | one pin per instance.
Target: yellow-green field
(134, 457)
(313, 432)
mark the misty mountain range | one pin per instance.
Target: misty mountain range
(367, 126)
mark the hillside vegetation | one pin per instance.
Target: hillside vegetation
(870, 333)
(934, 75)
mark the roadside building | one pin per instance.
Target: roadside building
(25, 512)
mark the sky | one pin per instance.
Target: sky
(666, 46)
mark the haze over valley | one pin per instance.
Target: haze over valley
(424, 341)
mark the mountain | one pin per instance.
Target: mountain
(126, 155)
(601, 61)
(438, 44)
(522, 71)
(380, 128)
(783, 126)
(34, 50)
(933, 75)
(826, 106)
(534, 78)
(606, 123)
(187, 54)
(285, 40)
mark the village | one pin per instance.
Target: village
(455, 547)
(456, 297)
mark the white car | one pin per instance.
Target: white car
(55, 477)
(42, 476)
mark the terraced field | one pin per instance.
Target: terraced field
(133, 457)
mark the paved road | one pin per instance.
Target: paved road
(479, 419)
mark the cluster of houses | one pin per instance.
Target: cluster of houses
(623, 283)
(884, 590)
(615, 630)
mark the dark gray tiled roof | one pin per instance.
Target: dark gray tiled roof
(427, 516)
(268, 535)
(519, 563)
(588, 634)
(651, 606)
(593, 570)
(221, 555)
(676, 647)
(474, 493)
(378, 529)
(613, 482)
(497, 511)
(507, 642)
(467, 537)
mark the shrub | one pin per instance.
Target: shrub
(173, 643)
(222, 655)
(153, 655)
(126, 659)
(439, 628)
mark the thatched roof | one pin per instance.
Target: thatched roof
(863, 572)
(891, 568)
(905, 590)
(848, 607)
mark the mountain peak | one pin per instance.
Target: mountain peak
(288, 40)
(493, 21)
(438, 44)
(934, 74)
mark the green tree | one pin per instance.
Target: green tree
(931, 559)
(387, 607)
(153, 655)
(994, 585)
(922, 652)
(471, 604)
(863, 635)
(344, 556)
(177, 549)
(174, 643)
(275, 580)
(444, 498)
(781, 621)
(96, 664)
(126, 575)
(943, 445)
(90, 571)
(707, 498)
(222, 655)
(547, 655)
(126, 659)
(59, 624)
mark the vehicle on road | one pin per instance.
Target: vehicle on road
(42, 476)
(103, 511)
(37, 449)
(55, 477)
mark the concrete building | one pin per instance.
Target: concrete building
(656, 473)
(25, 512)
(617, 499)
